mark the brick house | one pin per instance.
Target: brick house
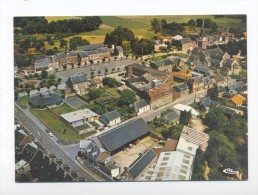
(78, 84)
(180, 91)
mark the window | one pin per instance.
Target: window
(163, 164)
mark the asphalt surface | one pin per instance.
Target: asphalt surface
(32, 124)
(149, 115)
(63, 74)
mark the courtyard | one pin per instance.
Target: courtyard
(126, 157)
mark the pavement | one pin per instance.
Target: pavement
(32, 124)
(188, 99)
(63, 74)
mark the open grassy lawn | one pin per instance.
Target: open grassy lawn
(89, 134)
(24, 100)
(157, 58)
(94, 124)
(64, 131)
(111, 91)
(183, 55)
(241, 75)
(84, 126)
(64, 108)
(55, 18)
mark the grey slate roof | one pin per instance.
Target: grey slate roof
(181, 87)
(78, 79)
(138, 166)
(161, 63)
(201, 69)
(185, 40)
(236, 86)
(140, 104)
(228, 111)
(106, 118)
(221, 89)
(216, 53)
(119, 48)
(207, 102)
(73, 53)
(90, 47)
(41, 62)
(171, 116)
(61, 55)
(45, 99)
(124, 134)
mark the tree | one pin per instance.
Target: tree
(215, 119)
(212, 158)
(198, 166)
(192, 23)
(92, 74)
(63, 43)
(215, 175)
(127, 97)
(77, 41)
(143, 46)
(119, 35)
(111, 82)
(213, 93)
(106, 71)
(44, 74)
(156, 25)
(94, 94)
(185, 117)
(173, 29)
(163, 22)
(199, 22)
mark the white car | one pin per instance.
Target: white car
(50, 134)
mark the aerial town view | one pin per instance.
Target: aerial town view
(130, 98)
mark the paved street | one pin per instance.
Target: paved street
(98, 67)
(149, 115)
(31, 123)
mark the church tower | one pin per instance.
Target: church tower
(202, 41)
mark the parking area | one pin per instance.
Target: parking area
(74, 102)
(129, 155)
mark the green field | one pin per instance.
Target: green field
(84, 126)
(112, 91)
(65, 108)
(24, 100)
(55, 18)
(183, 55)
(64, 131)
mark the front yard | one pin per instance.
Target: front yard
(61, 129)
(24, 100)
(64, 108)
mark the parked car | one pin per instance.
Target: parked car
(49, 133)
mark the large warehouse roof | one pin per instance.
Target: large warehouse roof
(124, 134)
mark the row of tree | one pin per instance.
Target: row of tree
(233, 47)
(32, 25)
(161, 26)
(125, 37)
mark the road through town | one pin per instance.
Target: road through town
(33, 125)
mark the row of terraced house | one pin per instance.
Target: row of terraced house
(83, 56)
